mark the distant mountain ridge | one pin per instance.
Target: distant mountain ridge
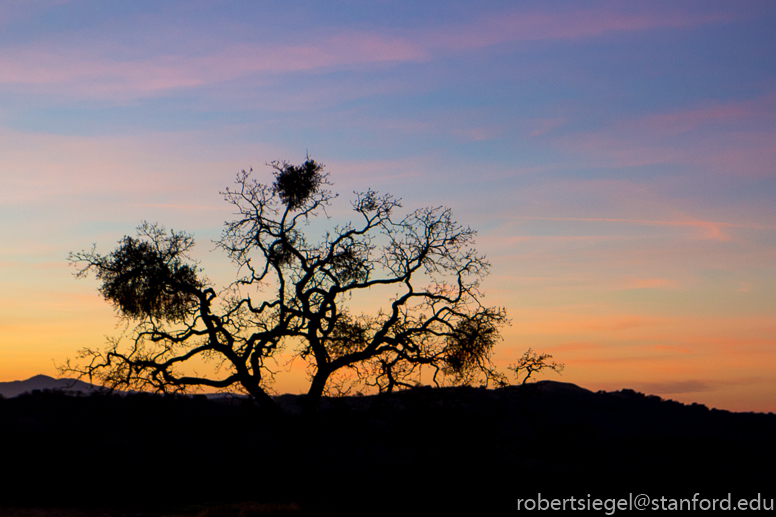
(44, 382)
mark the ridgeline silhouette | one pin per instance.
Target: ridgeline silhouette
(422, 451)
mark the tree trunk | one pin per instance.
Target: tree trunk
(315, 392)
(265, 401)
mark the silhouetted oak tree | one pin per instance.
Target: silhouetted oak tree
(531, 362)
(293, 297)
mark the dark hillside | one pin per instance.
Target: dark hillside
(419, 451)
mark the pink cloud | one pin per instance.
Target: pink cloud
(670, 124)
(674, 387)
(51, 169)
(744, 154)
(343, 49)
(618, 323)
(552, 238)
(672, 349)
(730, 138)
(710, 229)
(85, 69)
(650, 283)
(515, 26)
(762, 107)
(92, 75)
(86, 72)
(545, 125)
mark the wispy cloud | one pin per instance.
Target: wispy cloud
(618, 323)
(75, 65)
(84, 71)
(674, 387)
(710, 229)
(571, 24)
(735, 137)
(650, 283)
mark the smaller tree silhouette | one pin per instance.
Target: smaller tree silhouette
(531, 363)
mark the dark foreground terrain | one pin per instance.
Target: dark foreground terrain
(419, 452)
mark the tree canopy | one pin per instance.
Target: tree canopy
(292, 297)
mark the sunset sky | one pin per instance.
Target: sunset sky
(617, 158)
